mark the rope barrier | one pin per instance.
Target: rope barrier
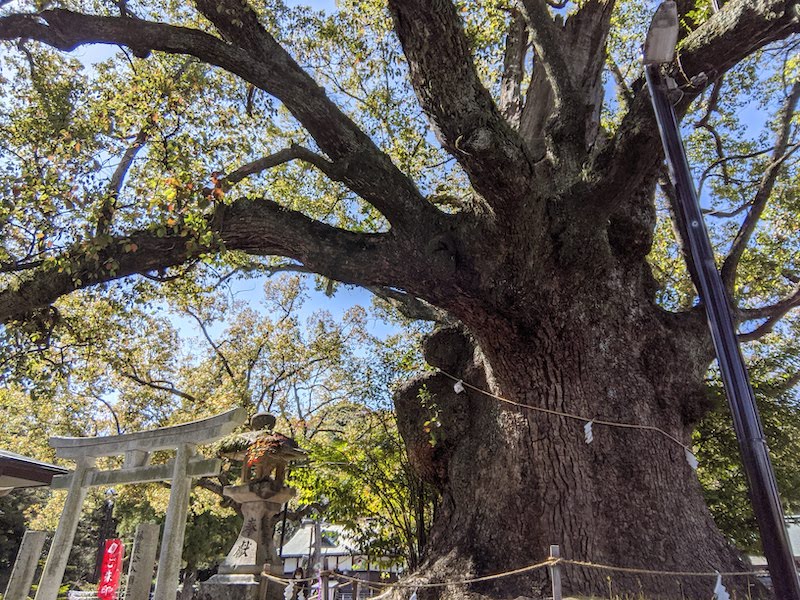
(566, 415)
(550, 562)
(453, 582)
(286, 580)
(587, 564)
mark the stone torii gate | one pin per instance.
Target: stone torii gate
(136, 448)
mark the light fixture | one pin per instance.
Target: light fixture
(662, 35)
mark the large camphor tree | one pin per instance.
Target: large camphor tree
(272, 137)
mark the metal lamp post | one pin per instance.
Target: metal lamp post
(660, 49)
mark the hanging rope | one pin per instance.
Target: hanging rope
(567, 415)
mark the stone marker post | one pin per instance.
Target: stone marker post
(142, 562)
(555, 572)
(25, 565)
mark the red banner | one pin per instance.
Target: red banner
(111, 570)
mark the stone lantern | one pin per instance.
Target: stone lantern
(264, 455)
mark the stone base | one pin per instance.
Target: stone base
(229, 587)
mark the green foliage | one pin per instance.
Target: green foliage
(362, 470)
(114, 365)
(721, 471)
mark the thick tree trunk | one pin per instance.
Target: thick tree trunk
(514, 480)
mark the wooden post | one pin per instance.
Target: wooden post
(25, 565)
(323, 593)
(355, 585)
(555, 572)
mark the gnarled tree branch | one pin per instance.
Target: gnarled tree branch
(740, 28)
(514, 69)
(562, 108)
(366, 170)
(411, 306)
(260, 60)
(467, 121)
(548, 40)
(259, 227)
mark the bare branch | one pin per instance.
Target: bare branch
(258, 166)
(214, 346)
(773, 315)
(788, 383)
(410, 306)
(467, 122)
(773, 311)
(727, 214)
(624, 91)
(514, 69)
(704, 123)
(303, 512)
(207, 484)
(109, 202)
(726, 159)
(762, 196)
(162, 386)
(760, 331)
(110, 409)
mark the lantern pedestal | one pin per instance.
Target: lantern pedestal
(239, 576)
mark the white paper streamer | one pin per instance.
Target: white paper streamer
(458, 388)
(587, 432)
(691, 459)
(413, 595)
(720, 593)
(288, 592)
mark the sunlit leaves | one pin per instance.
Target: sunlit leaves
(361, 468)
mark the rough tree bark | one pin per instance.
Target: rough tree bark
(514, 481)
(544, 266)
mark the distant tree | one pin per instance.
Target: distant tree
(721, 472)
(126, 370)
(363, 472)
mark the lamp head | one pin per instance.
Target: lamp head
(662, 35)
